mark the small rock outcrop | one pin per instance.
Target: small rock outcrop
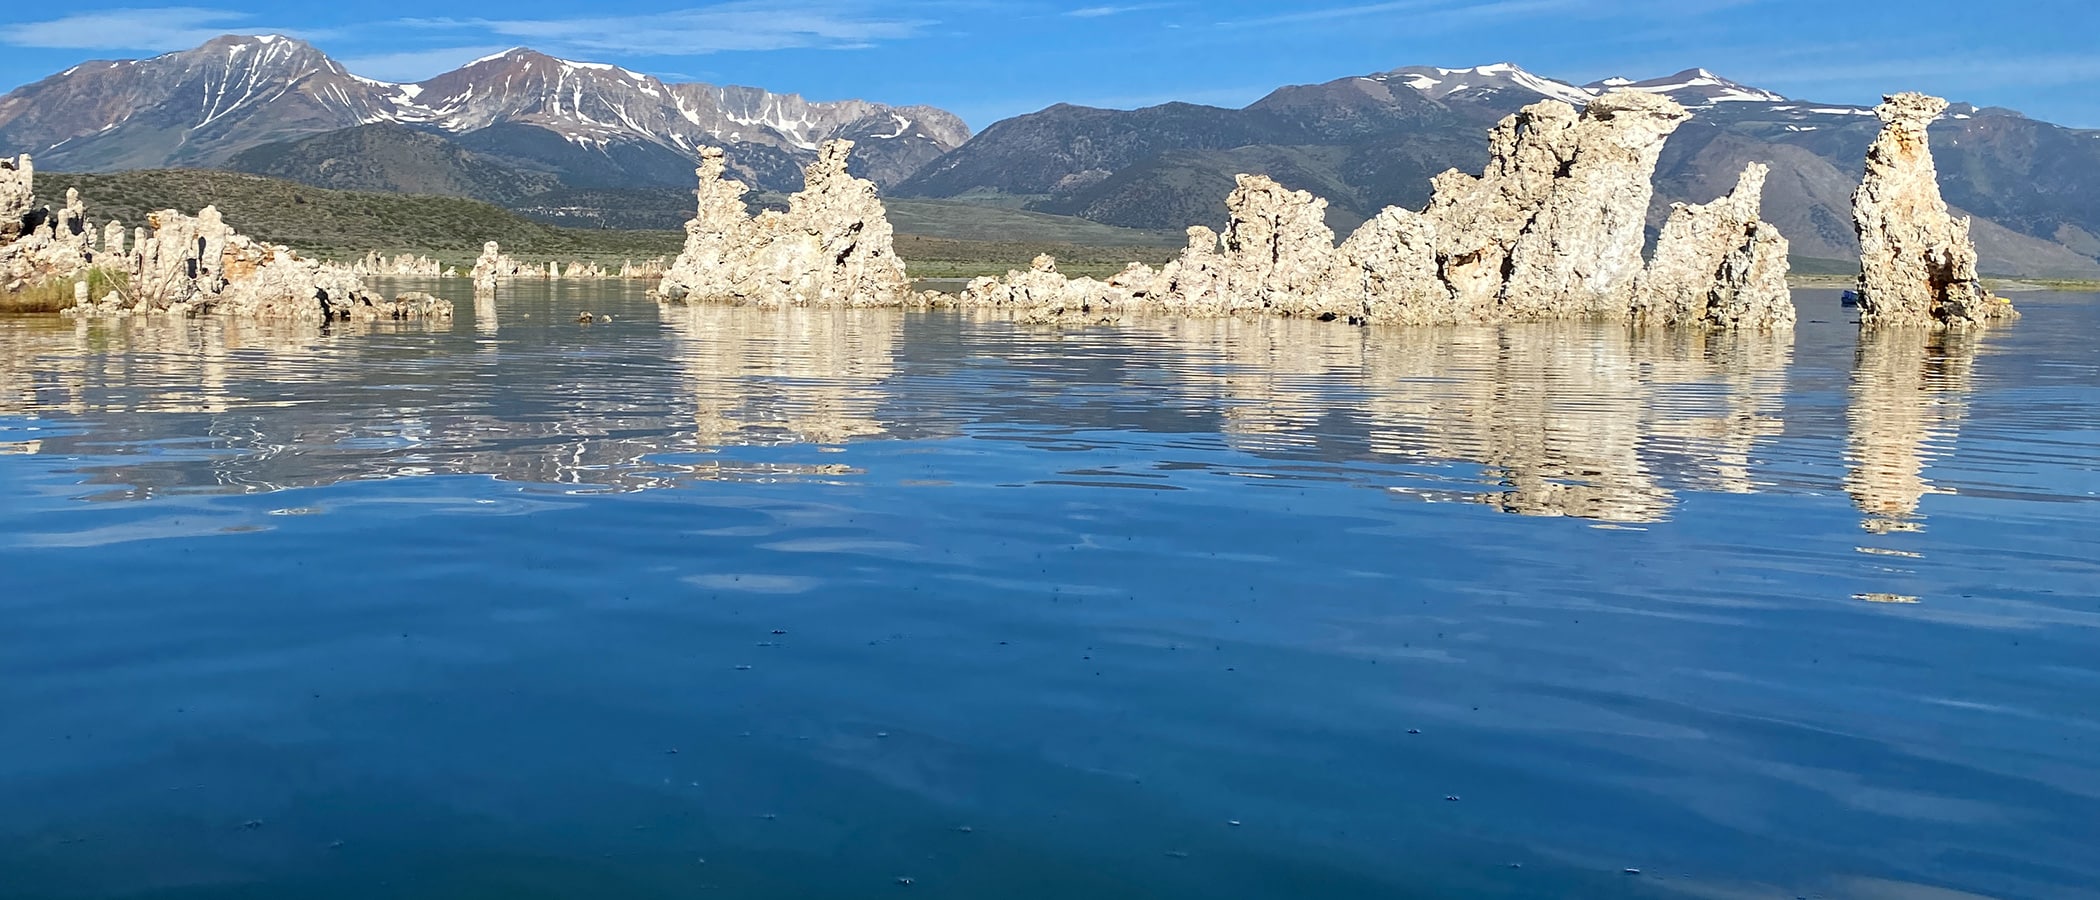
(1718, 265)
(648, 269)
(833, 246)
(17, 197)
(1043, 295)
(198, 265)
(1274, 255)
(492, 266)
(37, 243)
(403, 265)
(1917, 262)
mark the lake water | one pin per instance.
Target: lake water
(721, 602)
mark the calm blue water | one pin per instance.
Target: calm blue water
(738, 603)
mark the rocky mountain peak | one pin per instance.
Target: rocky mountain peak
(1439, 83)
(1693, 88)
(260, 89)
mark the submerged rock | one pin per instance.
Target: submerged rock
(833, 246)
(1917, 262)
(1719, 265)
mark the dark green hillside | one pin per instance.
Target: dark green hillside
(936, 238)
(395, 159)
(332, 223)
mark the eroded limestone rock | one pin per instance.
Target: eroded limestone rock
(1043, 295)
(17, 197)
(1275, 254)
(1718, 264)
(833, 246)
(402, 265)
(37, 243)
(490, 267)
(1553, 228)
(1917, 263)
(1580, 252)
(198, 265)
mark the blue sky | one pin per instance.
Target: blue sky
(988, 60)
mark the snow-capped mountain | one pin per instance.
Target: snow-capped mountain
(1695, 88)
(203, 106)
(1371, 141)
(1440, 84)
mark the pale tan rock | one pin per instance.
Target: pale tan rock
(1386, 272)
(198, 265)
(38, 244)
(17, 196)
(1718, 264)
(1043, 295)
(402, 265)
(1917, 262)
(1276, 250)
(491, 266)
(1580, 254)
(833, 246)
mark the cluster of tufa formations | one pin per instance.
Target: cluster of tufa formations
(1554, 228)
(178, 265)
(37, 244)
(1917, 263)
(494, 266)
(832, 246)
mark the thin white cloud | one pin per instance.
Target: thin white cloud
(750, 25)
(1099, 12)
(416, 65)
(157, 29)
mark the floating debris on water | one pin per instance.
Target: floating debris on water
(1887, 598)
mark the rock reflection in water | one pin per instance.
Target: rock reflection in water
(232, 406)
(775, 375)
(1909, 395)
(1565, 419)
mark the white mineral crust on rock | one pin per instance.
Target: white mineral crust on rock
(1718, 264)
(1552, 229)
(198, 265)
(833, 246)
(39, 244)
(1917, 263)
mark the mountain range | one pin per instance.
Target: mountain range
(595, 144)
(577, 124)
(1372, 141)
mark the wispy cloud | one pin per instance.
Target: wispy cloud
(164, 28)
(1098, 12)
(738, 25)
(415, 65)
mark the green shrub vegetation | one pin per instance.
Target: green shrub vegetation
(937, 239)
(57, 294)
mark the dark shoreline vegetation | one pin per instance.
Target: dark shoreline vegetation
(345, 225)
(933, 236)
